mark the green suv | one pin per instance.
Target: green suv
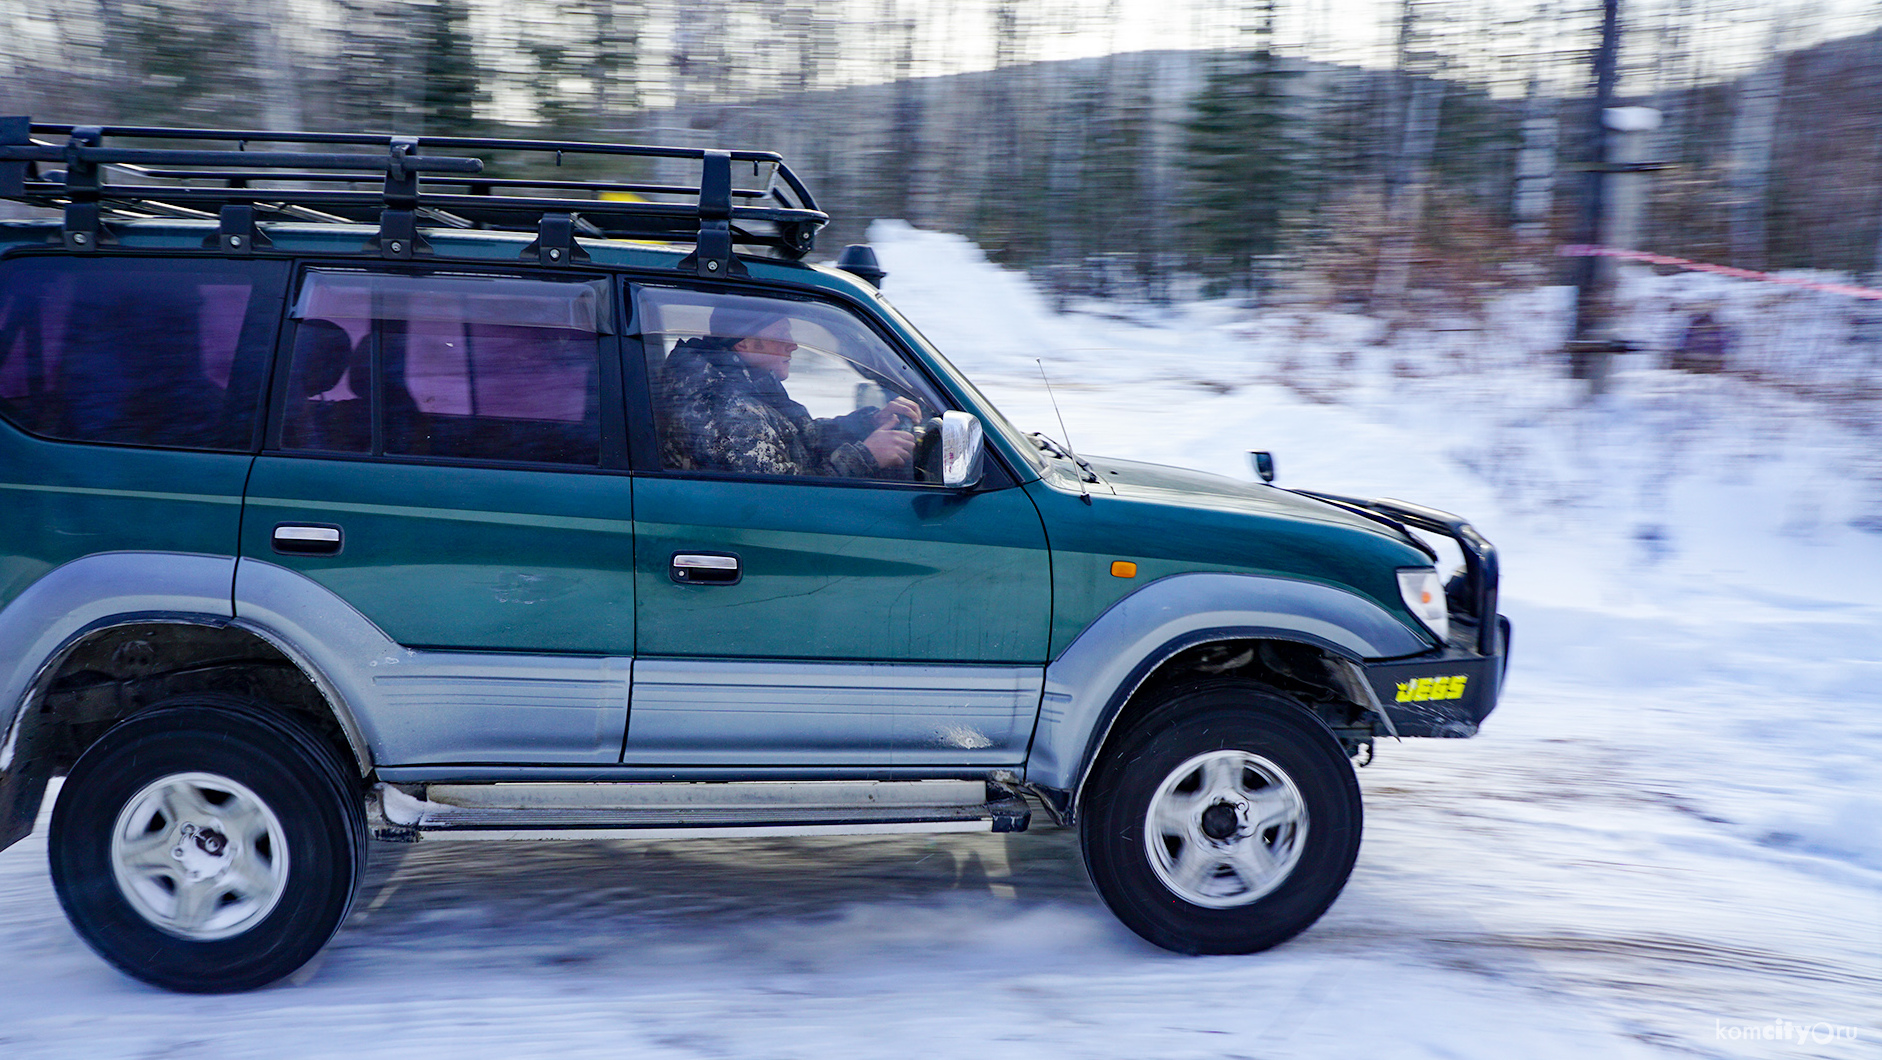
(355, 492)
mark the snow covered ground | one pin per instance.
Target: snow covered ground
(1666, 841)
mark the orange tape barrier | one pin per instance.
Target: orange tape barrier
(1584, 251)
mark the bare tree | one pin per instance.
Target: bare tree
(1752, 133)
(1416, 98)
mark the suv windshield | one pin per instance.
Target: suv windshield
(1019, 441)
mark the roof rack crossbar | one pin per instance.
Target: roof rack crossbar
(242, 136)
(453, 191)
(512, 203)
(436, 179)
(102, 156)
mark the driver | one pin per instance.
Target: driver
(724, 408)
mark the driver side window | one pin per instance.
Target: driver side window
(780, 387)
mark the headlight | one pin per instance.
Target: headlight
(1424, 594)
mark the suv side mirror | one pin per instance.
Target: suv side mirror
(963, 449)
(1263, 462)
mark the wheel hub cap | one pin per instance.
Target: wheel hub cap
(201, 853)
(1225, 828)
(199, 856)
(1223, 820)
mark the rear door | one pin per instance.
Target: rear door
(447, 460)
(132, 389)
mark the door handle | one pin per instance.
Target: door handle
(705, 568)
(307, 539)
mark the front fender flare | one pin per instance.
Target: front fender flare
(1088, 684)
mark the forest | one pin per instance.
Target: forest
(1267, 149)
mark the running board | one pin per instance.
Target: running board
(692, 810)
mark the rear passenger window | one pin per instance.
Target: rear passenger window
(472, 367)
(137, 351)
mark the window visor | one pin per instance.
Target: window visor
(512, 301)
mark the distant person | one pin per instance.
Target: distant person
(725, 408)
(1702, 347)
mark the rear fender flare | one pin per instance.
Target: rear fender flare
(78, 598)
(62, 608)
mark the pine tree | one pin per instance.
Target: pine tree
(453, 79)
(159, 46)
(1243, 155)
(583, 63)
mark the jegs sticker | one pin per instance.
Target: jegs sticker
(1426, 689)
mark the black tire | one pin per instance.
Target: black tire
(1280, 756)
(307, 844)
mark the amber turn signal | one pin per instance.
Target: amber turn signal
(1123, 569)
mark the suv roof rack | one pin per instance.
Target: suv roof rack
(420, 189)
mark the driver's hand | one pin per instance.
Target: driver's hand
(899, 409)
(890, 447)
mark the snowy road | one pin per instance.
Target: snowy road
(1665, 841)
(1521, 895)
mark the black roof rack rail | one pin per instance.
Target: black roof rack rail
(421, 182)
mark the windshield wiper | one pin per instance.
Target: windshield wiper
(1064, 452)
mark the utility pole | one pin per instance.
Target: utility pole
(1593, 345)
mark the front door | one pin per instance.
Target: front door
(443, 464)
(806, 596)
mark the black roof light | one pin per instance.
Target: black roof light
(859, 259)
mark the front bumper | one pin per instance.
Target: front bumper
(1447, 694)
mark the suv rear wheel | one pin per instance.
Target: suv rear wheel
(208, 845)
(1225, 821)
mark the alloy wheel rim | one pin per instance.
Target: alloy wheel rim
(1225, 828)
(199, 856)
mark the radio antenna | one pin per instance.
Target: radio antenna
(1083, 468)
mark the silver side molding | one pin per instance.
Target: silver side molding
(692, 809)
(712, 712)
(802, 794)
(497, 834)
(416, 707)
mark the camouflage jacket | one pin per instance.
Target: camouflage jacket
(717, 414)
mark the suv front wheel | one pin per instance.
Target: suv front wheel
(1225, 821)
(208, 845)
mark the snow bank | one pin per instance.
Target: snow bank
(971, 304)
